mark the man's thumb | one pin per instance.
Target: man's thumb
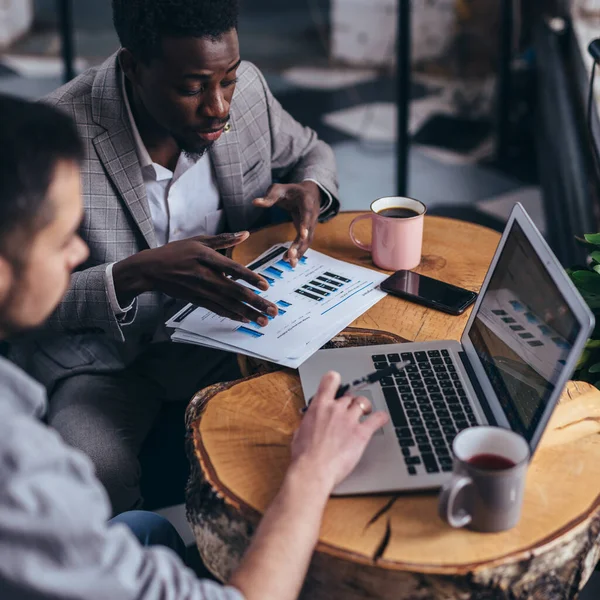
(265, 202)
(274, 194)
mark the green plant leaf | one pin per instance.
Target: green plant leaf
(595, 255)
(592, 300)
(583, 242)
(592, 238)
(587, 281)
(596, 268)
(592, 343)
(595, 368)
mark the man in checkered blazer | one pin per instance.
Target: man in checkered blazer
(183, 143)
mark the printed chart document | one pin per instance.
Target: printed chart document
(316, 299)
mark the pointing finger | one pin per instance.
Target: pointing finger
(328, 387)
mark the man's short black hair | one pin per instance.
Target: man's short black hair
(141, 24)
(33, 139)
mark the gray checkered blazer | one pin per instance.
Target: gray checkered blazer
(264, 143)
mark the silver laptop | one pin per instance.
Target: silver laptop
(519, 348)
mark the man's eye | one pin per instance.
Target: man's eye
(229, 82)
(194, 92)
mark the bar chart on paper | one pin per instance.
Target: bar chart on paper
(316, 300)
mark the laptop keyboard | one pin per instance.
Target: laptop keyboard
(428, 406)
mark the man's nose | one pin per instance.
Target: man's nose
(215, 105)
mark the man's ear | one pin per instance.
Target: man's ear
(130, 65)
(6, 279)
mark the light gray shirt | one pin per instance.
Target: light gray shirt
(54, 540)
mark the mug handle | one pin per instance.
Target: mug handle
(355, 241)
(447, 510)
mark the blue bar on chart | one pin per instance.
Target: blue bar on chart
(283, 303)
(285, 265)
(275, 272)
(250, 332)
(270, 280)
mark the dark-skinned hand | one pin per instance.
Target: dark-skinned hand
(303, 202)
(193, 271)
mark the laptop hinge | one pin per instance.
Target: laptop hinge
(485, 406)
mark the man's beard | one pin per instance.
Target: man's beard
(196, 155)
(191, 150)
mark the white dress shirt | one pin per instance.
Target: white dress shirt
(183, 203)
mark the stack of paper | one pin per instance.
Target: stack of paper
(316, 300)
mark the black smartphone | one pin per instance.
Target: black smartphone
(429, 292)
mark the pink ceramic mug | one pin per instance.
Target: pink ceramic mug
(397, 239)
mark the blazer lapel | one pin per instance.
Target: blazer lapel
(225, 158)
(116, 147)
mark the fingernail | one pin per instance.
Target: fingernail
(273, 312)
(263, 321)
(304, 232)
(264, 285)
(292, 252)
(239, 233)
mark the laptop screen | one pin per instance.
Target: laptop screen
(523, 333)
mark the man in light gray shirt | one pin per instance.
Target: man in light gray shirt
(55, 542)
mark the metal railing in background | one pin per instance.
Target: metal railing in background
(65, 21)
(403, 79)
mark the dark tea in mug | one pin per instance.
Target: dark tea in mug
(398, 212)
(491, 462)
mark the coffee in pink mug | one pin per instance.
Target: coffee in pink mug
(397, 225)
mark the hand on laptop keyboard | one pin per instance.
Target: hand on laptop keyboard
(333, 434)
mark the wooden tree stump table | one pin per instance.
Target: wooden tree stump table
(395, 546)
